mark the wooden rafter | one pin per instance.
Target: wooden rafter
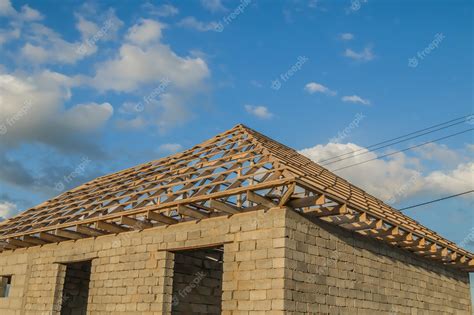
(237, 171)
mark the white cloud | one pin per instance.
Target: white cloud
(261, 112)
(192, 23)
(145, 32)
(346, 36)
(397, 177)
(33, 110)
(453, 181)
(213, 5)
(26, 14)
(163, 10)
(355, 99)
(314, 87)
(144, 60)
(29, 14)
(7, 209)
(6, 8)
(87, 117)
(364, 55)
(45, 46)
(170, 147)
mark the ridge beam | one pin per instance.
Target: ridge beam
(224, 207)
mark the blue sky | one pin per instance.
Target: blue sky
(91, 88)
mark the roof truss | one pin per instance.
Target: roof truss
(237, 171)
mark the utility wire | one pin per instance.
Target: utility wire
(397, 138)
(390, 144)
(403, 150)
(436, 200)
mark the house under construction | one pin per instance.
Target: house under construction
(239, 224)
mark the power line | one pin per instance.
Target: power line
(403, 150)
(436, 200)
(390, 144)
(463, 118)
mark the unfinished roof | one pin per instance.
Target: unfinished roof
(236, 171)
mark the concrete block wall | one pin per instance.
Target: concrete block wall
(132, 273)
(333, 271)
(275, 262)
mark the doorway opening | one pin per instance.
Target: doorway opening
(197, 281)
(76, 288)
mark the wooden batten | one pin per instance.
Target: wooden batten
(18, 243)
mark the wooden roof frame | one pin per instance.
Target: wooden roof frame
(236, 171)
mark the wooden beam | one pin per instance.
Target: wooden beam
(190, 212)
(286, 196)
(160, 218)
(6, 245)
(134, 223)
(69, 234)
(254, 197)
(328, 211)
(33, 240)
(51, 238)
(110, 227)
(18, 243)
(307, 202)
(224, 207)
(88, 231)
(365, 224)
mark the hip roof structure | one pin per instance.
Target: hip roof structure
(239, 170)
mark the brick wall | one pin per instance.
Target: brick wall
(133, 272)
(273, 261)
(332, 271)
